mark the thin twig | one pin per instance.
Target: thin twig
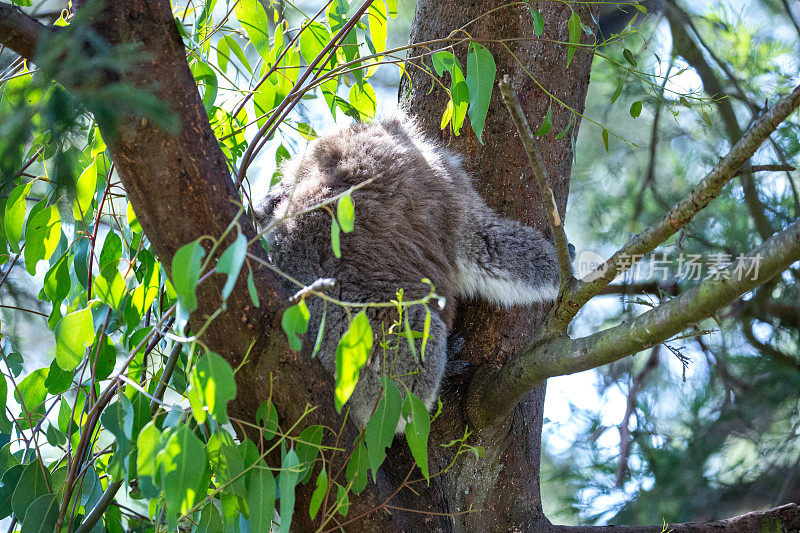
(537, 164)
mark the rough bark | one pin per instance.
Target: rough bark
(503, 486)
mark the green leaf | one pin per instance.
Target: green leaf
(110, 286)
(364, 99)
(73, 334)
(5, 423)
(313, 40)
(357, 469)
(538, 22)
(320, 332)
(251, 288)
(574, 27)
(230, 263)
(481, 71)
(286, 484)
(628, 57)
(336, 232)
(213, 387)
(445, 61)
(378, 28)
(112, 249)
(8, 488)
(636, 109)
(418, 427)
(342, 500)
(261, 499)
(319, 494)
(605, 139)
(547, 123)
(32, 392)
(308, 449)
(226, 463)
(148, 445)
(32, 484)
(58, 381)
(295, 323)
(352, 353)
(182, 471)
(85, 189)
(617, 92)
(185, 273)
(346, 213)
(133, 222)
(57, 282)
(14, 217)
(267, 417)
(382, 425)
(41, 237)
(254, 20)
(42, 515)
(118, 419)
(210, 521)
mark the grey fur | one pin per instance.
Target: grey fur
(420, 218)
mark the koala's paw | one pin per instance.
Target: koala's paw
(454, 368)
(455, 344)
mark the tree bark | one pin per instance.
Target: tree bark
(503, 487)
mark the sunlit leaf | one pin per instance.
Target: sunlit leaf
(351, 354)
(294, 323)
(42, 234)
(230, 263)
(213, 387)
(254, 20)
(85, 189)
(185, 273)
(73, 334)
(345, 213)
(182, 471)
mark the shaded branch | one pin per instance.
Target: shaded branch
(748, 169)
(709, 188)
(783, 518)
(537, 164)
(493, 395)
(20, 32)
(645, 287)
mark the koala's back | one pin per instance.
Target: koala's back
(418, 204)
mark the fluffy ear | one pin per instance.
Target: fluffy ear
(508, 263)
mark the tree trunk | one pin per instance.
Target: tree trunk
(501, 488)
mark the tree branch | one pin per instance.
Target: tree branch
(537, 164)
(783, 518)
(493, 395)
(708, 189)
(19, 31)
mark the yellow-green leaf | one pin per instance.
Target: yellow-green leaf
(352, 353)
(41, 237)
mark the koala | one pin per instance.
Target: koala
(419, 218)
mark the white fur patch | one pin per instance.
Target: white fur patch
(503, 291)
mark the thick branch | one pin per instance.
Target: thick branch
(495, 395)
(19, 31)
(540, 172)
(783, 518)
(708, 189)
